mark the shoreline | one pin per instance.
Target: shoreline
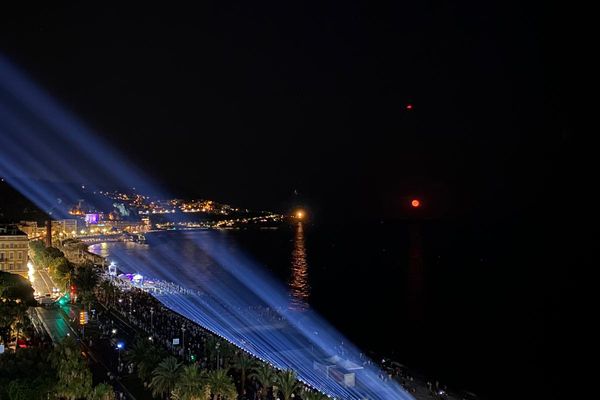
(372, 354)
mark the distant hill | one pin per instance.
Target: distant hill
(14, 207)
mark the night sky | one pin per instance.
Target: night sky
(248, 104)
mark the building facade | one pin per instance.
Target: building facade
(13, 250)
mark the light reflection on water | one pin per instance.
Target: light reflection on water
(194, 261)
(299, 284)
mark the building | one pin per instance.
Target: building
(65, 228)
(13, 249)
(61, 229)
(30, 228)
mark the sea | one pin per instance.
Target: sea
(432, 296)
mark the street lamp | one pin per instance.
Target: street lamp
(183, 339)
(119, 347)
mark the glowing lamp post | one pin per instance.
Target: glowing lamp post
(415, 203)
(217, 348)
(120, 345)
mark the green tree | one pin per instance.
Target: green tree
(310, 395)
(102, 391)
(16, 294)
(243, 363)
(48, 255)
(26, 373)
(165, 376)
(62, 270)
(16, 287)
(74, 376)
(265, 377)
(287, 383)
(11, 313)
(146, 357)
(86, 278)
(221, 385)
(19, 390)
(190, 385)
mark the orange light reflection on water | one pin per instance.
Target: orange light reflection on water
(299, 284)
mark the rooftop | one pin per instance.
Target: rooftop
(11, 230)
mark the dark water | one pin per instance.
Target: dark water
(434, 297)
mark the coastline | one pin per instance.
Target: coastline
(389, 362)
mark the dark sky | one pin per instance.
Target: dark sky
(247, 103)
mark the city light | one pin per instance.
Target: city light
(226, 306)
(30, 272)
(64, 299)
(415, 203)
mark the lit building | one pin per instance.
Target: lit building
(65, 227)
(30, 228)
(13, 249)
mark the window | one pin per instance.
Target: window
(20, 255)
(11, 266)
(11, 255)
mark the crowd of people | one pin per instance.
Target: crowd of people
(146, 313)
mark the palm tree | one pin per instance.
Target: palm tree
(86, 278)
(310, 395)
(165, 376)
(265, 377)
(287, 383)
(190, 385)
(221, 385)
(74, 376)
(102, 391)
(243, 363)
(146, 357)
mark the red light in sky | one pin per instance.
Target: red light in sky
(415, 203)
(409, 106)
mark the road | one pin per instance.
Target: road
(55, 323)
(41, 282)
(61, 321)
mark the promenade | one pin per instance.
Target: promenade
(150, 315)
(133, 312)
